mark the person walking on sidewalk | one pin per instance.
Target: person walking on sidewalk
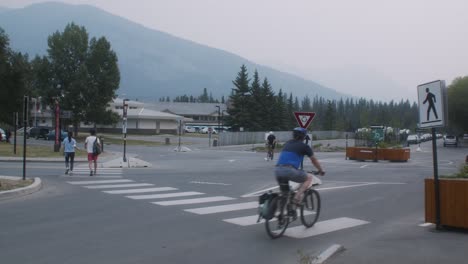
(89, 146)
(69, 145)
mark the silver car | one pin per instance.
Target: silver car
(450, 140)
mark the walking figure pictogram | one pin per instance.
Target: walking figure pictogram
(431, 99)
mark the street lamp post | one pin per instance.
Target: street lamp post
(124, 127)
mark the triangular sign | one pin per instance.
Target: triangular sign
(304, 118)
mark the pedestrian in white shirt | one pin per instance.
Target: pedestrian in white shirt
(92, 157)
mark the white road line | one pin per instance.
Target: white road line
(73, 176)
(99, 169)
(426, 224)
(257, 193)
(143, 190)
(223, 208)
(249, 220)
(325, 255)
(363, 166)
(195, 201)
(343, 187)
(111, 186)
(98, 173)
(165, 195)
(323, 227)
(98, 182)
(210, 183)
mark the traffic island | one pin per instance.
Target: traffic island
(15, 186)
(129, 163)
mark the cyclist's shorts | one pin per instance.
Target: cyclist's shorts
(290, 174)
(271, 145)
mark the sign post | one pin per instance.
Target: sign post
(304, 119)
(124, 128)
(432, 99)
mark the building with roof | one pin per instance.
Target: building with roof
(197, 114)
(150, 118)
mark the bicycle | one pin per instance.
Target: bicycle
(270, 152)
(283, 211)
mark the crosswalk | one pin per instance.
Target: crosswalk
(83, 171)
(214, 205)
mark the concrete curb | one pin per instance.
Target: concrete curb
(34, 187)
(328, 253)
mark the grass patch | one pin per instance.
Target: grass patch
(6, 185)
(34, 151)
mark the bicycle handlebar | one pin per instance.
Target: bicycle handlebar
(321, 173)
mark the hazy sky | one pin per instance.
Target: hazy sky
(382, 49)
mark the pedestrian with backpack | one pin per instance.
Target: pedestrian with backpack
(69, 145)
(93, 147)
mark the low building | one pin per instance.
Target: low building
(201, 114)
(140, 119)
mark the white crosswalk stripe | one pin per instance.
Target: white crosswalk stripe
(143, 190)
(165, 195)
(223, 208)
(249, 220)
(98, 182)
(111, 186)
(100, 171)
(195, 201)
(323, 227)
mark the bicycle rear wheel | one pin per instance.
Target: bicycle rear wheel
(310, 209)
(276, 226)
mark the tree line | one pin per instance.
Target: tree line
(78, 73)
(203, 98)
(254, 106)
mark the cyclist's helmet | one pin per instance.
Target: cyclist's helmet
(271, 133)
(299, 133)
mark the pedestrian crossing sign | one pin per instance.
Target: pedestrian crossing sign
(432, 104)
(304, 118)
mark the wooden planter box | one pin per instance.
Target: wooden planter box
(453, 202)
(402, 154)
(363, 153)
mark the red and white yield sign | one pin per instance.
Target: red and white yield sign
(304, 118)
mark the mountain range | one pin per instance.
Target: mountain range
(153, 64)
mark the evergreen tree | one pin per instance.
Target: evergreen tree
(238, 112)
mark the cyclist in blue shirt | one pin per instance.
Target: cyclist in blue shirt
(287, 167)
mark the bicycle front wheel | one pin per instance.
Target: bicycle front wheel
(310, 209)
(276, 226)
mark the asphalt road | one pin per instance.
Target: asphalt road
(373, 209)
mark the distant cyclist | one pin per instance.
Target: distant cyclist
(287, 167)
(271, 144)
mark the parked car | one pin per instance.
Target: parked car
(205, 130)
(51, 135)
(37, 132)
(450, 140)
(413, 139)
(190, 129)
(2, 135)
